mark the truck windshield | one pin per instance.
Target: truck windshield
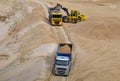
(60, 62)
(57, 16)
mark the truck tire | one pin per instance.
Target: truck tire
(66, 75)
(75, 21)
(65, 19)
(79, 18)
(50, 17)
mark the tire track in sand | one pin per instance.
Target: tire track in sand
(63, 37)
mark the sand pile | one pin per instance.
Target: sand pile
(64, 48)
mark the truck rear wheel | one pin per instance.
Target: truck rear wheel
(50, 19)
(65, 19)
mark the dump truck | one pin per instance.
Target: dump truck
(55, 16)
(63, 59)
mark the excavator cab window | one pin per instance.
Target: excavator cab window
(73, 13)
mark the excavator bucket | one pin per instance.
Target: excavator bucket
(58, 6)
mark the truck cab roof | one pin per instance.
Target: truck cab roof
(62, 58)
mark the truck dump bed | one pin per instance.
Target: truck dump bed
(65, 49)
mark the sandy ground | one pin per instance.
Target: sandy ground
(28, 42)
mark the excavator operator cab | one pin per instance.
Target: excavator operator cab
(74, 13)
(73, 16)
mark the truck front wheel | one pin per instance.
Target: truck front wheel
(65, 19)
(75, 21)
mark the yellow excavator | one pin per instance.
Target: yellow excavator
(74, 16)
(56, 17)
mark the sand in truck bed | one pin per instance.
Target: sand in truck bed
(64, 48)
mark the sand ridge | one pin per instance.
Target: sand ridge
(28, 42)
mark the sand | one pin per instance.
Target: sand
(64, 48)
(28, 43)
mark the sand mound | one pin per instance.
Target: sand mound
(64, 48)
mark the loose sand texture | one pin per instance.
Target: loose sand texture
(64, 48)
(28, 42)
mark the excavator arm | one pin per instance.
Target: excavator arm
(59, 6)
(66, 10)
